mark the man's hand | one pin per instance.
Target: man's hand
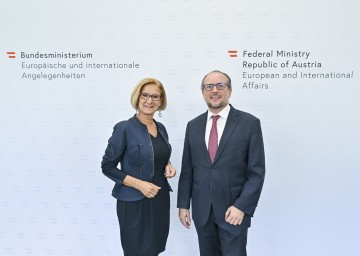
(234, 216)
(184, 216)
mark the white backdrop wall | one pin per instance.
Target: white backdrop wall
(54, 200)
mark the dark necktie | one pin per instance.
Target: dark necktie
(213, 139)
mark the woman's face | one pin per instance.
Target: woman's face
(149, 99)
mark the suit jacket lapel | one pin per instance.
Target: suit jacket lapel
(230, 125)
(201, 138)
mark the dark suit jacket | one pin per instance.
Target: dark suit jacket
(235, 178)
(130, 145)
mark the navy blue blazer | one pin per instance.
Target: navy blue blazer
(235, 178)
(130, 145)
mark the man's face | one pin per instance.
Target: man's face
(216, 99)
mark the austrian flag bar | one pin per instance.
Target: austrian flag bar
(11, 55)
(232, 53)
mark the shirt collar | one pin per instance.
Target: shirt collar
(223, 113)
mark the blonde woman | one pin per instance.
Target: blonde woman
(141, 146)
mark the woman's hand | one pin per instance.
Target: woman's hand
(148, 189)
(169, 171)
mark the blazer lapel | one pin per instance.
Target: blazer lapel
(230, 125)
(200, 131)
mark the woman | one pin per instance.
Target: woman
(141, 146)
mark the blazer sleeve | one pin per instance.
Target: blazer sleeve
(114, 153)
(255, 172)
(186, 176)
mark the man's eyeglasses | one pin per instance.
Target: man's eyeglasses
(146, 96)
(210, 87)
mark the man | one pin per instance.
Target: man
(222, 173)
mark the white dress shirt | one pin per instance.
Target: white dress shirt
(220, 124)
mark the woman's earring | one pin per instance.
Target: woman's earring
(160, 115)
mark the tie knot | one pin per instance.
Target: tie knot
(215, 118)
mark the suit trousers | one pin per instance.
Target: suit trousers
(219, 238)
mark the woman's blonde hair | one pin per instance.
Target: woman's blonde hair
(138, 88)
